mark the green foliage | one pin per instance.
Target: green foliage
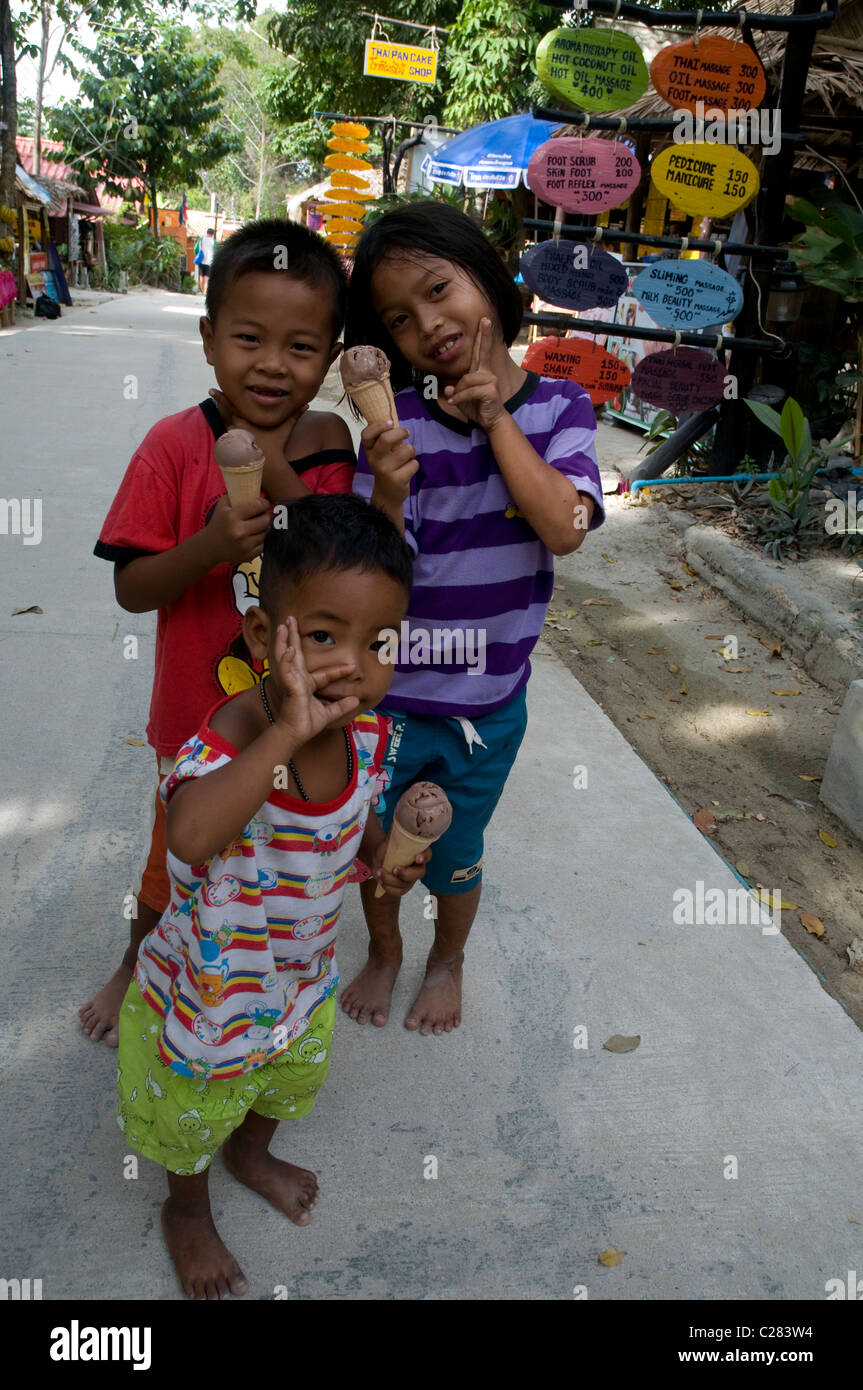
(147, 110)
(491, 56)
(327, 38)
(257, 177)
(830, 251)
(695, 459)
(376, 210)
(791, 524)
(145, 261)
(830, 382)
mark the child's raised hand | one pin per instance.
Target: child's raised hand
(477, 394)
(236, 534)
(301, 715)
(392, 459)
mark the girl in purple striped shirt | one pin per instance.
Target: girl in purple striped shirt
(489, 474)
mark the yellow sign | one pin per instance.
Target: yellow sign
(705, 180)
(400, 61)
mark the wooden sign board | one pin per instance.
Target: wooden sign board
(705, 180)
(592, 69)
(578, 359)
(583, 175)
(724, 75)
(680, 379)
(399, 61)
(688, 294)
(573, 275)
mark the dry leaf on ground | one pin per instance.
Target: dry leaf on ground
(813, 924)
(705, 821)
(611, 1257)
(619, 1042)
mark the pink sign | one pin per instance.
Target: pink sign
(583, 175)
(680, 379)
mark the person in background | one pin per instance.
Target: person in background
(208, 250)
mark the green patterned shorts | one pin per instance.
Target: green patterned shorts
(180, 1122)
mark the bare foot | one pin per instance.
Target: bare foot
(204, 1265)
(437, 1007)
(100, 1014)
(290, 1189)
(369, 996)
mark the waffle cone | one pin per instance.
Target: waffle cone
(375, 399)
(243, 484)
(402, 848)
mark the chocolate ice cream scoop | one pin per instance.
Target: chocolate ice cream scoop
(237, 449)
(424, 810)
(359, 364)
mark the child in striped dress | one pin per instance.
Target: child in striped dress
(226, 1027)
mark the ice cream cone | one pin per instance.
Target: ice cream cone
(242, 484)
(402, 849)
(375, 399)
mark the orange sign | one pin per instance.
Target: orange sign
(724, 75)
(578, 359)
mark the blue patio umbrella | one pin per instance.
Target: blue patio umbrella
(493, 155)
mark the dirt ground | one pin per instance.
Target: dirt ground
(645, 636)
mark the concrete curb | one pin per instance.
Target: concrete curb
(824, 645)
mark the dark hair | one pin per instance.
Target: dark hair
(431, 229)
(259, 246)
(330, 531)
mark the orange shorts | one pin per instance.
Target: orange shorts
(155, 890)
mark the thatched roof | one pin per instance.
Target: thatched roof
(834, 85)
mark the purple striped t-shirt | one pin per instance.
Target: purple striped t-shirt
(482, 576)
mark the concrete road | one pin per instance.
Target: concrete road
(722, 1155)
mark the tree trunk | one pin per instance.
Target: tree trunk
(8, 106)
(152, 189)
(40, 87)
(261, 159)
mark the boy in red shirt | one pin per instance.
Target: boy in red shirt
(275, 307)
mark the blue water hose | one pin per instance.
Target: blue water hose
(723, 478)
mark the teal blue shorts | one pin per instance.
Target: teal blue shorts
(434, 749)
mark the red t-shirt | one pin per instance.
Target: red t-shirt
(166, 496)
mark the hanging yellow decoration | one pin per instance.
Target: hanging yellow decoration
(340, 180)
(357, 193)
(343, 224)
(346, 161)
(345, 146)
(344, 210)
(344, 213)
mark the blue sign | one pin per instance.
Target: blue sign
(688, 294)
(574, 275)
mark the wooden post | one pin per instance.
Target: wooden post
(770, 210)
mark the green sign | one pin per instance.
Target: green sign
(592, 69)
